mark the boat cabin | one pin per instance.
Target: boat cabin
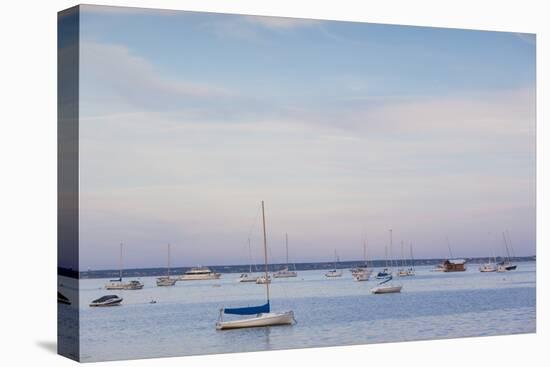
(451, 265)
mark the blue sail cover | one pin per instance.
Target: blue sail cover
(247, 310)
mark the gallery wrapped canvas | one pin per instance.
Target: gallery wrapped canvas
(235, 183)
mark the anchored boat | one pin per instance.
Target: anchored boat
(199, 273)
(262, 314)
(107, 301)
(285, 272)
(118, 284)
(166, 281)
(334, 273)
(387, 285)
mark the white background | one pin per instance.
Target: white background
(28, 181)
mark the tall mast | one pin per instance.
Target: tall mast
(365, 252)
(403, 262)
(168, 260)
(449, 247)
(286, 241)
(120, 263)
(250, 255)
(265, 254)
(412, 257)
(391, 248)
(506, 245)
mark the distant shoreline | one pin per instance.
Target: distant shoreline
(158, 271)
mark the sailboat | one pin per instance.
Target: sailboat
(362, 273)
(334, 273)
(506, 264)
(118, 284)
(404, 271)
(387, 285)
(263, 315)
(166, 281)
(285, 272)
(248, 277)
(384, 273)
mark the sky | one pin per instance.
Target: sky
(188, 120)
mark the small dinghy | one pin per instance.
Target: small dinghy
(106, 301)
(262, 314)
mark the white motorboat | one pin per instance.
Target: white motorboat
(263, 315)
(107, 301)
(286, 272)
(248, 278)
(119, 284)
(199, 273)
(166, 281)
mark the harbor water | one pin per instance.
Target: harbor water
(328, 311)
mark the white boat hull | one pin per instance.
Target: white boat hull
(166, 282)
(387, 289)
(333, 274)
(262, 320)
(124, 286)
(200, 276)
(290, 274)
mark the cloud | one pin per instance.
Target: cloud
(113, 72)
(280, 23)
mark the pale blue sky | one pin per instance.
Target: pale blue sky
(188, 120)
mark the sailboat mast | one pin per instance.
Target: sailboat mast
(286, 241)
(120, 263)
(265, 254)
(449, 247)
(250, 255)
(403, 262)
(506, 245)
(391, 248)
(168, 260)
(412, 257)
(365, 252)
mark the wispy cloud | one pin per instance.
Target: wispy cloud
(279, 23)
(129, 78)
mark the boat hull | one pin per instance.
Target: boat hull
(384, 290)
(285, 275)
(266, 319)
(200, 276)
(124, 286)
(116, 302)
(166, 282)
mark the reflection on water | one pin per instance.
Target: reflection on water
(329, 312)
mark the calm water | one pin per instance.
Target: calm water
(329, 312)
